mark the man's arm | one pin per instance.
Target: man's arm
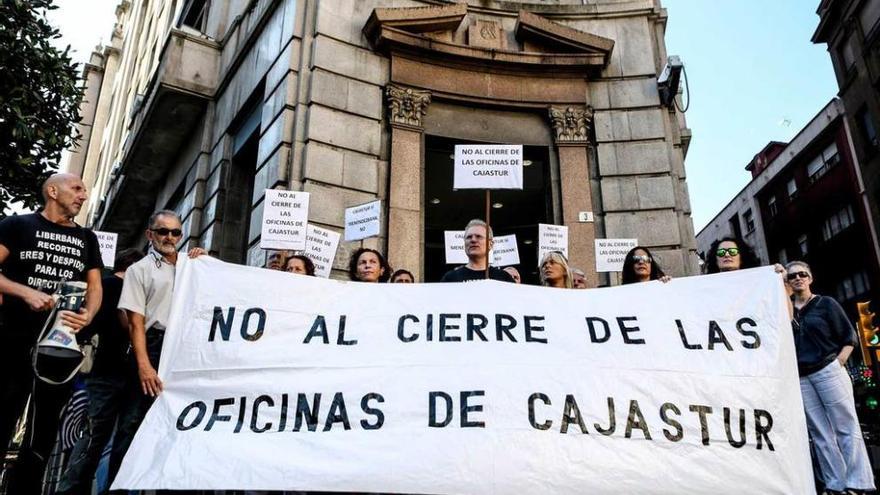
(150, 382)
(94, 294)
(36, 300)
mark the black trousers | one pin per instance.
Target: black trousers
(17, 383)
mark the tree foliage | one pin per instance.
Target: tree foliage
(39, 101)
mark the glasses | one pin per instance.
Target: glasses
(794, 275)
(641, 259)
(162, 231)
(722, 252)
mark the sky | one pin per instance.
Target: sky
(754, 77)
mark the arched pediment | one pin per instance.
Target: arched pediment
(542, 43)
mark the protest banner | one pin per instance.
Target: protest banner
(362, 221)
(505, 251)
(552, 238)
(454, 247)
(611, 253)
(436, 389)
(488, 166)
(321, 245)
(285, 215)
(107, 243)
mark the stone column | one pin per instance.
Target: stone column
(571, 129)
(406, 107)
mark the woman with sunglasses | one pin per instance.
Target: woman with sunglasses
(824, 339)
(368, 265)
(640, 266)
(555, 271)
(728, 254)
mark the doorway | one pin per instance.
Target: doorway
(513, 211)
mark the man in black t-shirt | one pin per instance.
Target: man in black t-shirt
(106, 384)
(37, 251)
(478, 242)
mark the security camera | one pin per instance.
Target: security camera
(667, 83)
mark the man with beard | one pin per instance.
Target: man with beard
(37, 251)
(146, 300)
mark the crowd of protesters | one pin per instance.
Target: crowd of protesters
(129, 310)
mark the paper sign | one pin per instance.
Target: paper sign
(488, 166)
(454, 241)
(505, 251)
(610, 253)
(285, 215)
(321, 247)
(552, 238)
(362, 221)
(107, 243)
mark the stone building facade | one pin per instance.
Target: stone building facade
(203, 105)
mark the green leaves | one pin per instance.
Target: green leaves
(40, 94)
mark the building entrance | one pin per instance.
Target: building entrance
(513, 212)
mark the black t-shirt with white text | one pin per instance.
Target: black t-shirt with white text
(465, 274)
(41, 254)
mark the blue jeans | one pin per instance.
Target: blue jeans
(834, 427)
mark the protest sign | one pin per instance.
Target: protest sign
(488, 166)
(323, 385)
(321, 245)
(505, 251)
(454, 244)
(552, 238)
(107, 243)
(362, 221)
(611, 253)
(285, 215)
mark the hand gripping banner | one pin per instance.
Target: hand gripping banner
(275, 381)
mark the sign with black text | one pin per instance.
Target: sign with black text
(321, 245)
(474, 388)
(552, 238)
(453, 241)
(505, 252)
(611, 253)
(107, 243)
(285, 216)
(362, 221)
(488, 166)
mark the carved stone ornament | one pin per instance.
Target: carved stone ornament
(571, 124)
(407, 106)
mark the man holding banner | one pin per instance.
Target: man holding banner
(477, 244)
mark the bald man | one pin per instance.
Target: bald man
(37, 251)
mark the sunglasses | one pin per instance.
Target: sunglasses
(162, 231)
(792, 276)
(722, 252)
(641, 259)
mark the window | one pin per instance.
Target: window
(194, 14)
(867, 130)
(837, 223)
(869, 16)
(847, 54)
(822, 163)
(771, 206)
(853, 286)
(735, 227)
(749, 220)
(792, 189)
(802, 244)
(782, 256)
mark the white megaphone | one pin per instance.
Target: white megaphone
(58, 348)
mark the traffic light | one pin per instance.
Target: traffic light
(869, 334)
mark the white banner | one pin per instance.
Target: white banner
(285, 216)
(488, 166)
(552, 238)
(107, 243)
(478, 388)
(611, 253)
(454, 245)
(321, 245)
(362, 221)
(505, 252)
